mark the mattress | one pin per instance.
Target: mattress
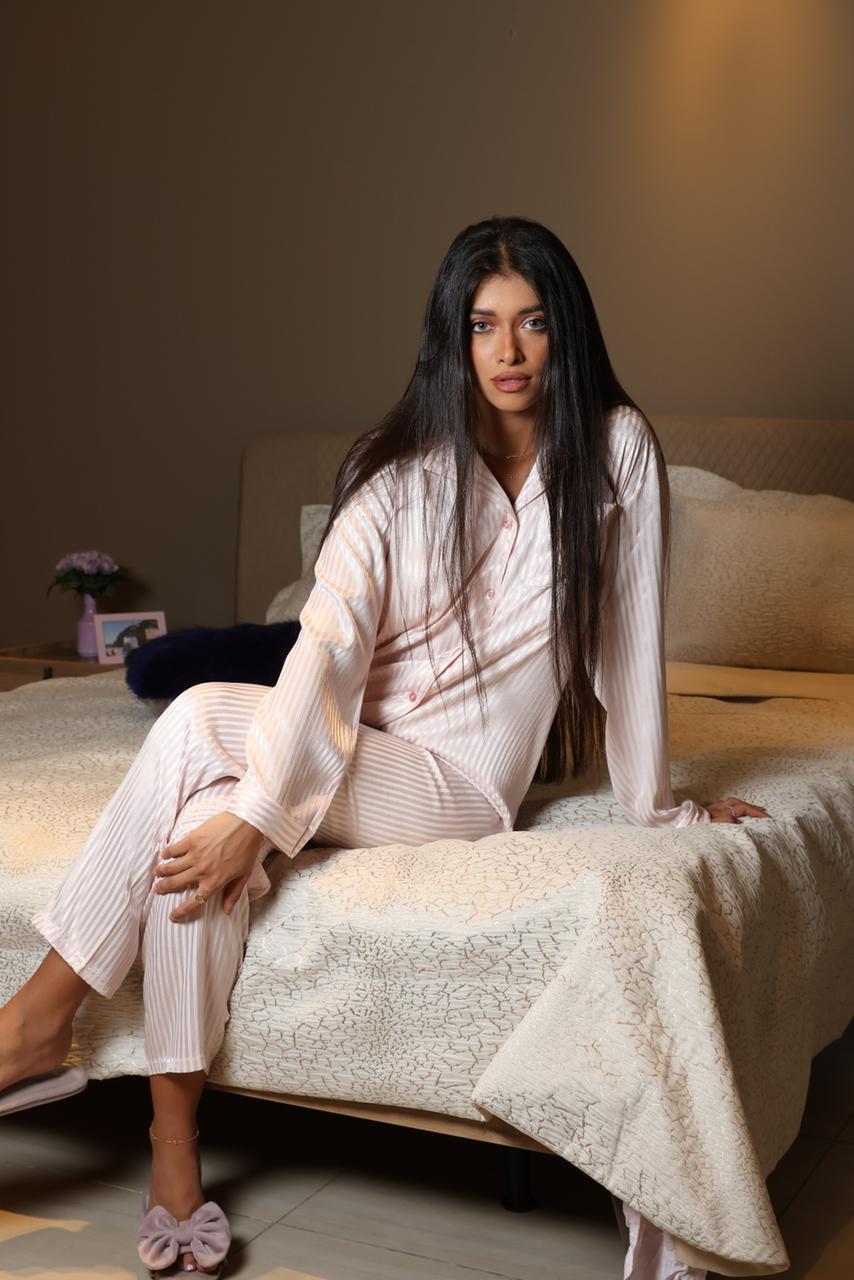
(646, 1003)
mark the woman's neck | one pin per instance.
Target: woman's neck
(507, 446)
(504, 436)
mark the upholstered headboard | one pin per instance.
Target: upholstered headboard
(280, 473)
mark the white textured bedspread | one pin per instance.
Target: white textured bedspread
(646, 1003)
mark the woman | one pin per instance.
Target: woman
(517, 463)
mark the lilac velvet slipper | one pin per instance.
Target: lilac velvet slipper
(63, 1082)
(162, 1238)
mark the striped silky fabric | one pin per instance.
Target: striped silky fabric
(362, 655)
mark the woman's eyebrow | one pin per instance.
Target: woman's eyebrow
(525, 311)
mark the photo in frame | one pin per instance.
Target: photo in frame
(118, 633)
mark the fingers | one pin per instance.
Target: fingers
(179, 878)
(742, 809)
(183, 872)
(215, 855)
(232, 894)
(190, 909)
(732, 810)
(174, 867)
(177, 849)
(724, 814)
(175, 858)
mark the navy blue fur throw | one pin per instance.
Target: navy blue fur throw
(250, 653)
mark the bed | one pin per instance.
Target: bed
(644, 1003)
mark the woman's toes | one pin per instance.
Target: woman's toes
(188, 1263)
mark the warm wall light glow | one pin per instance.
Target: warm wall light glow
(725, 80)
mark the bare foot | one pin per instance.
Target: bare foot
(176, 1184)
(27, 1047)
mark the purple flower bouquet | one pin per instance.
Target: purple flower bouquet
(91, 573)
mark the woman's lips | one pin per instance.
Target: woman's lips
(511, 384)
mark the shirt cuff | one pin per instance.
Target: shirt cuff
(254, 806)
(686, 814)
(690, 813)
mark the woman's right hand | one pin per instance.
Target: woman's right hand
(219, 854)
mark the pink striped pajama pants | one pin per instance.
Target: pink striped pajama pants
(105, 909)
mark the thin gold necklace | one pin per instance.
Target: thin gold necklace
(510, 477)
(505, 457)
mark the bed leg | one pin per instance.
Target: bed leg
(517, 1180)
(622, 1227)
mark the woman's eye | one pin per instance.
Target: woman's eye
(537, 323)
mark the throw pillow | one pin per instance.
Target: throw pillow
(759, 578)
(250, 653)
(288, 604)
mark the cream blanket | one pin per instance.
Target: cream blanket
(643, 1002)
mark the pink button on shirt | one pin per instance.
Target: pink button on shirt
(354, 661)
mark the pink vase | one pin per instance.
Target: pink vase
(87, 644)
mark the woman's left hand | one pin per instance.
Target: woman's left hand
(731, 809)
(218, 854)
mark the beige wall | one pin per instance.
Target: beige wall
(224, 219)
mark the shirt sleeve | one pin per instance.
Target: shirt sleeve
(304, 730)
(631, 678)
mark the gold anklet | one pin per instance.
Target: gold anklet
(174, 1141)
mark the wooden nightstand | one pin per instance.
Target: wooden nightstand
(32, 662)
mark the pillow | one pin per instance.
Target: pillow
(759, 578)
(695, 483)
(250, 653)
(288, 604)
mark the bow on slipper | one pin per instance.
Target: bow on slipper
(161, 1237)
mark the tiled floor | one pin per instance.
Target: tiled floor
(321, 1197)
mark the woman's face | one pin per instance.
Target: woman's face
(509, 345)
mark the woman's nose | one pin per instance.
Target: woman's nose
(508, 347)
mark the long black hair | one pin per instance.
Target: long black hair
(578, 389)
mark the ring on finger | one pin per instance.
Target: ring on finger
(200, 899)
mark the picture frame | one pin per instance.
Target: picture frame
(117, 633)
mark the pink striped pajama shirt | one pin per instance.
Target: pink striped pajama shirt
(361, 655)
(358, 743)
